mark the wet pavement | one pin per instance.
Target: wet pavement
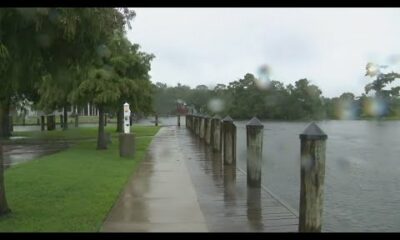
(160, 196)
(182, 186)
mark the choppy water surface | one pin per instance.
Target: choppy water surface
(362, 179)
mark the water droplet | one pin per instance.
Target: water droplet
(216, 105)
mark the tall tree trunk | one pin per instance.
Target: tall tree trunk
(5, 130)
(61, 121)
(3, 201)
(11, 124)
(101, 140)
(42, 123)
(65, 125)
(23, 118)
(76, 116)
(51, 122)
(120, 120)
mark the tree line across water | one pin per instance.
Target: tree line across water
(249, 96)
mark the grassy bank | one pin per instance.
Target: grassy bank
(72, 190)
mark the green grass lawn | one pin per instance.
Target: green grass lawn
(72, 190)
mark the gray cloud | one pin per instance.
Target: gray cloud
(329, 46)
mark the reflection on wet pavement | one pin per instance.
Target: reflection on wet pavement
(183, 186)
(227, 203)
(160, 196)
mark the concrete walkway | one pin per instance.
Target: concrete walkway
(160, 196)
(182, 186)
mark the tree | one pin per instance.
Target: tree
(132, 67)
(119, 76)
(247, 99)
(77, 37)
(40, 45)
(20, 59)
(385, 96)
(3, 201)
(305, 101)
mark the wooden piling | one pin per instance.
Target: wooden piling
(179, 120)
(197, 125)
(254, 132)
(202, 127)
(207, 138)
(312, 148)
(187, 120)
(156, 120)
(229, 141)
(216, 133)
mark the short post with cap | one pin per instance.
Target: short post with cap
(229, 141)
(216, 133)
(207, 137)
(254, 134)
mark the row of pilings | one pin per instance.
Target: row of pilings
(220, 135)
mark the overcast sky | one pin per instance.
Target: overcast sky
(328, 46)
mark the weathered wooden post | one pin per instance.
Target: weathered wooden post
(229, 141)
(216, 133)
(229, 183)
(207, 138)
(202, 126)
(179, 120)
(254, 208)
(156, 120)
(195, 124)
(191, 122)
(198, 125)
(205, 119)
(254, 130)
(313, 145)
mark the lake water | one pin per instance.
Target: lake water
(362, 174)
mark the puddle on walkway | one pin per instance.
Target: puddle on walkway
(18, 153)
